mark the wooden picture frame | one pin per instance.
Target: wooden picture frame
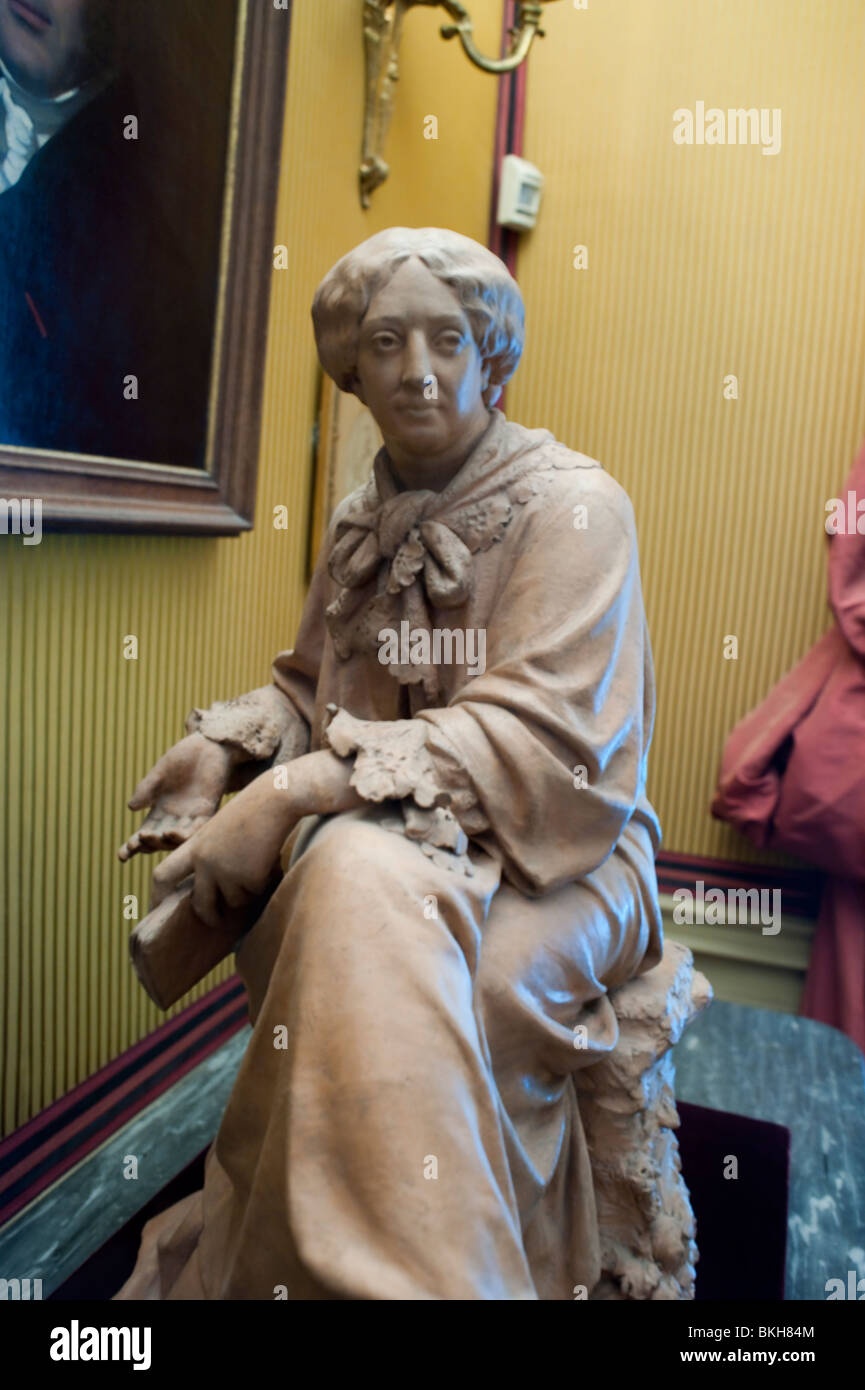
(90, 492)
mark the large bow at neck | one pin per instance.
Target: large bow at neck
(396, 553)
(400, 531)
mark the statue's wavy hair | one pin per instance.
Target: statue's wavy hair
(482, 283)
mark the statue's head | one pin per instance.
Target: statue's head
(478, 283)
(425, 326)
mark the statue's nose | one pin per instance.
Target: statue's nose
(416, 360)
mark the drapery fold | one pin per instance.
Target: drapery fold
(792, 777)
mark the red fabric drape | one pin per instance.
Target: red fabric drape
(793, 778)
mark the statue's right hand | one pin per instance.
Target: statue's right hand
(183, 791)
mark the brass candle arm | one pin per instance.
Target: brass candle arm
(382, 32)
(523, 34)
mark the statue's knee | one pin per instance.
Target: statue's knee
(540, 980)
(349, 853)
(355, 891)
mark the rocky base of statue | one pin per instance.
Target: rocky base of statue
(628, 1109)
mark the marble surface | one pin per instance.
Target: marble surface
(811, 1078)
(68, 1222)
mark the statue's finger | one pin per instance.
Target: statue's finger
(205, 898)
(154, 832)
(138, 844)
(169, 873)
(131, 847)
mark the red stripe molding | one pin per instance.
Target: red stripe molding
(800, 888)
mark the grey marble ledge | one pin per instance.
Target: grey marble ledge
(811, 1078)
(66, 1224)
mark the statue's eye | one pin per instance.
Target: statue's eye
(450, 341)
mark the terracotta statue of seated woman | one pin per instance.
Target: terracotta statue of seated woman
(449, 766)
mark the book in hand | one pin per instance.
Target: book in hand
(172, 949)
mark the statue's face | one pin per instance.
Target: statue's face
(44, 43)
(418, 368)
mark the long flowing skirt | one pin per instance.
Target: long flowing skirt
(404, 1123)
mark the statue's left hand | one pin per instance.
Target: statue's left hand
(234, 855)
(183, 790)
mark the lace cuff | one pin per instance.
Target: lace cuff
(452, 777)
(393, 761)
(262, 724)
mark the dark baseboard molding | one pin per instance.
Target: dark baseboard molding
(801, 888)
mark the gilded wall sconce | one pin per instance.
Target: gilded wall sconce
(382, 32)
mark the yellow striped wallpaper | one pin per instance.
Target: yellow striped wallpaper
(79, 725)
(703, 261)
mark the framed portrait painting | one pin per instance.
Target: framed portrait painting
(139, 159)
